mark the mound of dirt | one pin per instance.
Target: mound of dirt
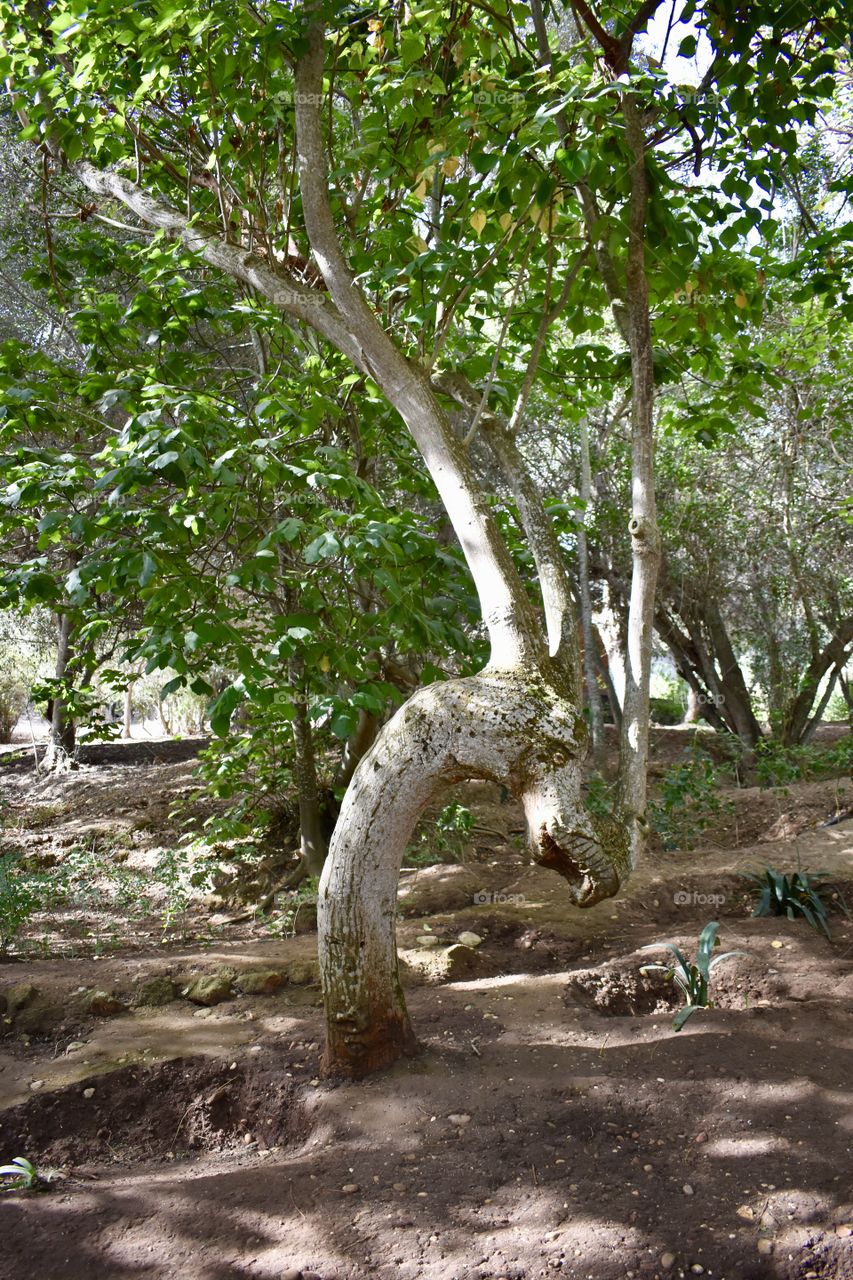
(153, 1113)
(624, 989)
(621, 991)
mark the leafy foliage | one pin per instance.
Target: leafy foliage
(23, 892)
(687, 800)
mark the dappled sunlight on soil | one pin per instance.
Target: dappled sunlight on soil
(554, 1122)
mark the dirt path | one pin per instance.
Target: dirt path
(553, 1125)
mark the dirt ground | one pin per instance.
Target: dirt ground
(554, 1123)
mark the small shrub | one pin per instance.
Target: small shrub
(22, 893)
(445, 842)
(693, 979)
(289, 904)
(791, 895)
(779, 766)
(687, 802)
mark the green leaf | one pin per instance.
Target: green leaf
(223, 709)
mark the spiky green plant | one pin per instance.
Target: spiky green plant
(692, 978)
(23, 1175)
(791, 895)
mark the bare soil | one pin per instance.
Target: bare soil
(553, 1124)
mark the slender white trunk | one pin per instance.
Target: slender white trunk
(645, 540)
(593, 695)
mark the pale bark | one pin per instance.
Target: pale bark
(645, 539)
(508, 728)
(517, 722)
(593, 696)
(62, 741)
(554, 583)
(507, 613)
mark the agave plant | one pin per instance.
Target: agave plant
(693, 979)
(791, 895)
(23, 1175)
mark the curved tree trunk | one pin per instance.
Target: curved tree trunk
(356, 747)
(511, 728)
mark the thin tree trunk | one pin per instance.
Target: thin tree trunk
(645, 539)
(835, 653)
(817, 717)
(62, 728)
(312, 841)
(602, 667)
(356, 747)
(127, 718)
(593, 695)
(735, 692)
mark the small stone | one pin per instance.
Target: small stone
(103, 1004)
(400, 1186)
(156, 992)
(302, 973)
(212, 988)
(776, 944)
(259, 982)
(35, 1085)
(74, 1046)
(427, 940)
(746, 1212)
(667, 1260)
(687, 1189)
(203, 1013)
(19, 997)
(468, 939)
(844, 1229)
(349, 1188)
(701, 1137)
(460, 1119)
(88, 1093)
(648, 1168)
(765, 1247)
(698, 1269)
(247, 1139)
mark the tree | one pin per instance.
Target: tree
(562, 188)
